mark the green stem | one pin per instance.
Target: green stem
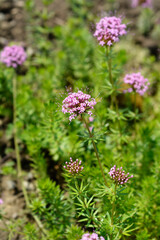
(113, 97)
(118, 120)
(6, 225)
(135, 100)
(96, 152)
(19, 167)
(113, 206)
(10, 236)
(135, 125)
(110, 73)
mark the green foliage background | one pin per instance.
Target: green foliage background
(74, 59)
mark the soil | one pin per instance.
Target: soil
(13, 22)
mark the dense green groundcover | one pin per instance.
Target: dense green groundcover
(69, 206)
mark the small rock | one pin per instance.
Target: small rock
(25, 184)
(16, 33)
(8, 17)
(18, 17)
(15, 215)
(10, 185)
(5, 6)
(30, 187)
(4, 25)
(12, 23)
(30, 176)
(3, 41)
(14, 11)
(19, 4)
(2, 17)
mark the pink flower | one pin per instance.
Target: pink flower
(12, 56)
(143, 3)
(1, 201)
(91, 119)
(119, 176)
(137, 83)
(108, 30)
(90, 128)
(93, 236)
(78, 103)
(74, 167)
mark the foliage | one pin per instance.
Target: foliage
(125, 131)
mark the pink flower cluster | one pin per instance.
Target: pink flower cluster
(78, 103)
(108, 30)
(143, 3)
(74, 167)
(119, 176)
(93, 236)
(1, 201)
(137, 82)
(12, 56)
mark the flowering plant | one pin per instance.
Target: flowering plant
(108, 30)
(94, 203)
(119, 176)
(13, 56)
(143, 3)
(78, 103)
(137, 83)
(93, 236)
(73, 167)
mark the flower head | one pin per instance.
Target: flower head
(143, 3)
(108, 30)
(137, 83)
(73, 167)
(77, 103)
(1, 201)
(119, 176)
(93, 236)
(12, 56)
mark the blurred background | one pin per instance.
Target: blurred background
(62, 52)
(15, 17)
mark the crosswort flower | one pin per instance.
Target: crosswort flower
(93, 236)
(77, 103)
(137, 83)
(108, 30)
(119, 176)
(74, 167)
(13, 56)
